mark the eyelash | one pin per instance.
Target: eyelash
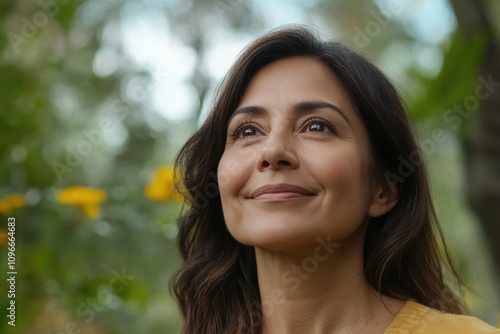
(241, 125)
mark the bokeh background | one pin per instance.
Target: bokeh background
(97, 96)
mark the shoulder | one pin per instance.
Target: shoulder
(418, 318)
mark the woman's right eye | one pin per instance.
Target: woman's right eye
(246, 131)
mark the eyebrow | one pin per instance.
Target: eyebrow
(298, 108)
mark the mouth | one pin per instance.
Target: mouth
(280, 192)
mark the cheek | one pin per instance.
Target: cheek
(232, 174)
(345, 174)
(357, 172)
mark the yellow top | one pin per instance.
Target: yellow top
(416, 318)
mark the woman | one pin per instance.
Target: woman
(310, 208)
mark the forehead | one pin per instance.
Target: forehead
(294, 80)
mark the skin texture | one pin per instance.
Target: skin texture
(308, 242)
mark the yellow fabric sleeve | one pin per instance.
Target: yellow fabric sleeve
(416, 318)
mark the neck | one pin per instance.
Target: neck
(320, 289)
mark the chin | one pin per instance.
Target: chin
(275, 236)
(288, 234)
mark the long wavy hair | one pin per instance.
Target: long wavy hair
(404, 252)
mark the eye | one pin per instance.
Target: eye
(318, 125)
(246, 130)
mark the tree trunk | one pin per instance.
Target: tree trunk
(483, 142)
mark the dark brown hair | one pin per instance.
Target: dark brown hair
(404, 253)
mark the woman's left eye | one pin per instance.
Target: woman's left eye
(318, 126)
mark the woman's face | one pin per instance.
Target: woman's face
(296, 163)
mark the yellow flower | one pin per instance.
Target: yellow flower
(10, 203)
(87, 199)
(3, 237)
(161, 188)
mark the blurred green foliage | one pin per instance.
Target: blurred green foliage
(50, 98)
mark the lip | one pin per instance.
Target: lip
(280, 191)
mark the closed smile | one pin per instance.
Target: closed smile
(280, 192)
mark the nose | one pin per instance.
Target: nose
(277, 153)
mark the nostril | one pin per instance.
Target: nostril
(279, 163)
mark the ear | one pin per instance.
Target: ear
(383, 200)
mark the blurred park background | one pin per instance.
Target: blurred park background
(97, 96)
